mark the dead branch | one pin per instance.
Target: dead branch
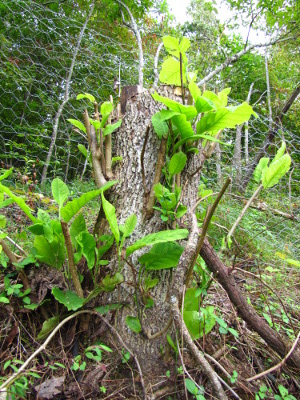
(236, 57)
(246, 311)
(277, 366)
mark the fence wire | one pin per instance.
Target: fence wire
(36, 48)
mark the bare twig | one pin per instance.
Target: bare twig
(236, 57)
(66, 96)
(243, 212)
(156, 65)
(277, 366)
(131, 353)
(15, 245)
(208, 370)
(13, 377)
(134, 27)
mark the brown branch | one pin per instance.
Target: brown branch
(72, 267)
(264, 207)
(95, 151)
(209, 214)
(245, 311)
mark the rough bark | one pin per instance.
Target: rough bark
(129, 196)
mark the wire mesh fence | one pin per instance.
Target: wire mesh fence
(37, 67)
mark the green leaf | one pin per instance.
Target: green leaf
(6, 174)
(162, 256)
(181, 211)
(88, 244)
(111, 128)
(109, 283)
(60, 191)
(223, 97)
(109, 240)
(110, 213)
(184, 127)
(37, 229)
(78, 124)
(108, 307)
(72, 207)
(2, 221)
(44, 216)
(4, 299)
(276, 171)
(212, 98)
(48, 327)
(69, 299)
(268, 319)
(172, 344)
(191, 301)
(160, 126)
(189, 111)
(192, 321)
(280, 152)
(224, 118)
(53, 253)
(261, 166)
(82, 149)
(167, 114)
(197, 137)
(184, 45)
(133, 323)
(191, 387)
(177, 163)
(106, 108)
(158, 237)
(96, 124)
(204, 105)
(88, 96)
(194, 90)
(171, 43)
(293, 262)
(21, 203)
(170, 72)
(77, 226)
(129, 225)
(6, 202)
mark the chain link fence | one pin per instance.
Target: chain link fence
(37, 47)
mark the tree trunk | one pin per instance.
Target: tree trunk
(129, 196)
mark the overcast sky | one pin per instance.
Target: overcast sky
(178, 8)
